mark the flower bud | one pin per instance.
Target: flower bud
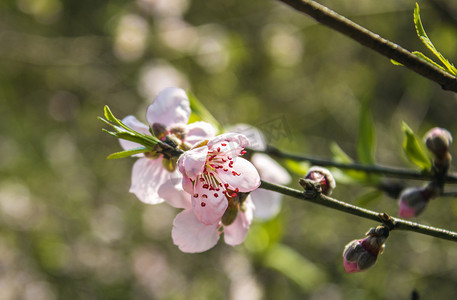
(159, 130)
(179, 131)
(360, 255)
(323, 177)
(438, 141)
(413, 201)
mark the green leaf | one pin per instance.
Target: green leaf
(396, 62)
(347, 176)
(428, 43)
(128, 153)
(299, 168)
(422, 56)
(366, 141)
(200, 113)
(413, 149)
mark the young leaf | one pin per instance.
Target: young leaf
(413, 149)
(421, 55)
(127, 153)
(428, 43)
(351, 175)
(366, 141)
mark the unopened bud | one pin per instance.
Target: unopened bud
(323, 177)
(438, 141)
(360, 255)
(413, 201)
(159, 130)
(179, 131)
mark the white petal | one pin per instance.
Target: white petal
(136, 125)
(238, 140)
(267, 203)
(235, 233)
(255, 136)
(147, 176)
(269, 169)
(192, 236)
(173, 193)
(246, 178)
(198, 132)
(192, 162)
(170, 107)
(209, 205)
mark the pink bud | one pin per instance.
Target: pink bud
(360, 255)
(413, 201)
(323, 177)
(438, 141)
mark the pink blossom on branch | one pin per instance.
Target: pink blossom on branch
(218, 180)
(267, 203)
(154, 177)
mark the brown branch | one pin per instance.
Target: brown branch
(373, 41)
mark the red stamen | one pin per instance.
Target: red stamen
(203, 204)
(204, 196)
(216, 195)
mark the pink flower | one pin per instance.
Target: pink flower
(154, 177)
(267, 203)
(218, 180)
(193, 236)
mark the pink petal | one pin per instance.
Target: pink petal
(236, 139)
(173, 193)
(406, 211)
(209, 204)
(147, 176)
(248, 178)
(170, 107)
(269, 169)
(198, 132)
(136, 125)
(350, 267)
(267, 203)
(255, 136)
(235, 233)
(187, 185)
(192, 236)
(192, 162)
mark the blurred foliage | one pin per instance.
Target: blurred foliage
(69, 229)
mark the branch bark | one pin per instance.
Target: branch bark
(393, 223)
(373, 41)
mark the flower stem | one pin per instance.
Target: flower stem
(373, 41)
(393, 223)
(374, 169)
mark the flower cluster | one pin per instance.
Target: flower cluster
(206, 175)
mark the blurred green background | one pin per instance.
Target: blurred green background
(69, 228)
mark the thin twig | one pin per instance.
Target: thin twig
(373, 41)
(395, 223)
(373, 169)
